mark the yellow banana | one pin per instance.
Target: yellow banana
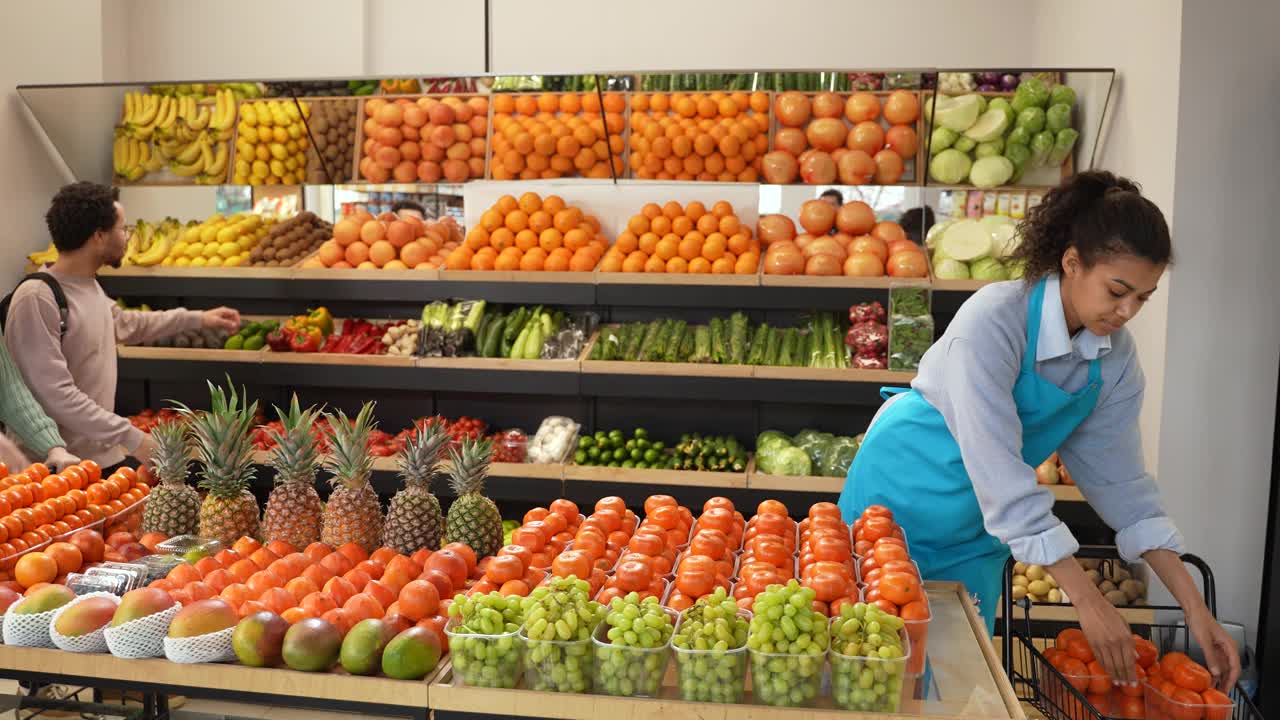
(224, 134)
(157, 159)
(201, 118)
(194, 168)
(171, 113)
(144, 154)
(190, 115)
(188, 154)
(118, 149)
(216, 171)
(127, 116)
(158, 251)
(150, 108)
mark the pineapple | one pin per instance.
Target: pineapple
(174, 507)
(414, 520)
(473, 518)
(224, 446)
(294, 508)
(353, 513)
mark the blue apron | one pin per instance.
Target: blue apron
(910, 463)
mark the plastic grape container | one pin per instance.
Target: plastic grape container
(492, 661)
(189, 547)
(713, 676)
(918, 632)
(558, 665)
(630, 671)
(869, 682)
(787, 680)
(1159, 705)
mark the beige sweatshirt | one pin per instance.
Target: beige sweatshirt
(74, 378)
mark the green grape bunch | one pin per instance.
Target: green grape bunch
(634, 659)
(559, 619)
(482, 639)
(788, 645)
(868, 659)
(711, 662)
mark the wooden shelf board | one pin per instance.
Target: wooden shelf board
(686, 478)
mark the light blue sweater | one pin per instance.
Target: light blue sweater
(968, 375)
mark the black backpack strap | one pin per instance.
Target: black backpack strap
(58, 296)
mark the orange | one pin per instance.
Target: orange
(747, 263)
(35, 567)
(612, 263)
(568, 219)
(722, 266)
(531, 261)
(539, 220)
(637, 262)
(517, 220)
(530, 202)
(576, 238)
(553, 204)
(690, 247)
(582, 262)
(700, 265)
(714, 247)
(667, 248)
(655, 264)
(677, 265)
(550, 239)
(557, 261)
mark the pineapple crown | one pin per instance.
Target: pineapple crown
(295, 454)
(470, 466)
(223, 440)
(172, 451)
(422, 453)
(349, 459)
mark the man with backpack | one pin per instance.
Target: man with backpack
(62, 329)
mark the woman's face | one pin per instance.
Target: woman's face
(1108, 294)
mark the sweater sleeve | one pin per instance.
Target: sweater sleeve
(20, 411)
(138, 326)
(34, 341)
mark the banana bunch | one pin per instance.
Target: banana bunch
(189, 137)
(201, 91)
(272, 143)
(44, 257)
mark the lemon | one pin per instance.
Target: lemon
(291, 163)
(291, 110)
(227, 249)
(182, 262)
(291, 147)
(167, 261)
(280, 135)
(209, 232)
(302, 143)
(210, 250)
(249, 114)
(199, 262)
(246, 242)
(241, 179)
(194, 249)
(248, 133)
(243, 148)
(289, 179)
(277, 151)
(277, 168)
(179, 248)
(214, 261)
(261, 152)
(295, 131)
(260, 169)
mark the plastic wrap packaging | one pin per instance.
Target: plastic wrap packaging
(207, 648)
(29, 630)
(564, 345)
(556, 438)
(141, 638)
(910, 327)
(94, 642)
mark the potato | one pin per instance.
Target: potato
(1094, 576)
(1134, 589)
(1019, 592)
(1116, 573)
(1090, 563)
(1020, 581)
(1055, 596)
(1049, 579)
(1106, 586)
(1116, 597)
(1038, 587)
(1035, 572)
(1019, 568)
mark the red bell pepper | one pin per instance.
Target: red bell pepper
(306, 340)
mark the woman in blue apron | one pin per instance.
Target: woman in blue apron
(1026, 368)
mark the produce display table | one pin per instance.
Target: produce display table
(962, 679)
(259, 686)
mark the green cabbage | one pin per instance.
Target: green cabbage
(951, 166)
(941, 139)
(1062, 146)
(1041, 144)
(991, 171)
(1032, 92)
(1058, 117)
(945, 268)
(957, 113)
(1032, 119)
(1018, 136)
(965, 144)
(840, 457)
(769, 438)
(1062, 94)
(790, 461)
(1002, 104)
(1016, 269)
(988, 269)
(987, 149)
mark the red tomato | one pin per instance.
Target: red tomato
(908, 264)
(1219, 705)
(502, 568)
(633, 575)
(572, 562)
(900, 588)
(1192, 676)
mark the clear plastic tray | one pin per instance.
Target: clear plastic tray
(713, 676)
(630, 671)
(786, 680)
(863, 683)
(556, 665)
(182, 545)
(159, 566)
(918, 632)
(538, 449)
(1159, 705)
(492, 661)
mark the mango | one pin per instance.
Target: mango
(140, 603)
(363, 645)
(50, 597)
(85, 617)
(203, 617)
(311, 645)
(259, 638)
(411, 654)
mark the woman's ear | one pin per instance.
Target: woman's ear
(1071, 263)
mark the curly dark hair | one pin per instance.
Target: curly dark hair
(1097, 213)
(408, 205)
(78, 211)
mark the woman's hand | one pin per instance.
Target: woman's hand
(59, 459)
(1108, 634)
(1220, 652)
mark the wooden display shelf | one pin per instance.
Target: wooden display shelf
(139, 352)
(960, 285)
(630, 278)
(966, 682)
(647, 476)
(348, 691)
(497, 364)
(851, 375)
(1068, 613)
(840, 281)
(794, 483)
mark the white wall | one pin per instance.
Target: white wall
(1218, 422)
(49, 42)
